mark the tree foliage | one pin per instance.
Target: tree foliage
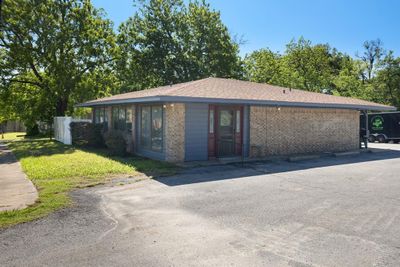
(373, 75)
(371, 57)
(56, 53)
(48, 49)
(168, 42)
(387, 80)
(265, 66)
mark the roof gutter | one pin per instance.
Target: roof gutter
(184, 99)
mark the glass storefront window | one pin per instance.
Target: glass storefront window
(119, 115)
(211, 121)
(151, 128)
(238, 121)
(100, 116)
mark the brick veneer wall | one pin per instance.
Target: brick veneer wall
(301, 130)
(175, 132)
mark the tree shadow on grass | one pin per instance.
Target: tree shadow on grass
(38, 147)
(45, 147)
(149, 167)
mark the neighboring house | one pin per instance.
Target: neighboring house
(214, 117)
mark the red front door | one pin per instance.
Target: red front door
(225, 136)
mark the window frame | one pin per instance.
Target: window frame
(100, 116)
(143, 142)
(150, 146)
(211, 121)
(120, 120)
(238, 121)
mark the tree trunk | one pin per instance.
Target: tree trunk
(62, 105)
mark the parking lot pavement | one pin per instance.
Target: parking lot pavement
(325, 212)
(389, 146)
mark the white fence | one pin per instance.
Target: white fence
(62, 130)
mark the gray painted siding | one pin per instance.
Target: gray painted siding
(196, 132)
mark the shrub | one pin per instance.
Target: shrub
(32, 130)
(39, 129)
(87, 134)
(116, 143)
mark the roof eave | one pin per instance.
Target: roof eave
(236, 101)
(119, 101)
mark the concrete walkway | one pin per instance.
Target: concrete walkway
(16, 190)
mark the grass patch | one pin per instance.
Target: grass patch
(12, 136)
(55, 169)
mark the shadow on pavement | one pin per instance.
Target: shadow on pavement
(6, 156)
(239, 170)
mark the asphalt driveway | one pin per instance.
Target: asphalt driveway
(326, 212)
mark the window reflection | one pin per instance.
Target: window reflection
(145, 127)
(238, 121)
(119, 116)
(156, 130)
(151, 131)
(211, 126)
(225, 118)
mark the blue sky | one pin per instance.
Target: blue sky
(344, 24)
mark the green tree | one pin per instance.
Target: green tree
(372, 55)
(302, 66)
(168, 42)
(347, 82)
(211, 50)
(264, 66)
(49, 48)
(309, 64)
(388, 80)
(1, 6)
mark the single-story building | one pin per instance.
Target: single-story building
(214, 117)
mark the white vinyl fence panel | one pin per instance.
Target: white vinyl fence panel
(62, 130)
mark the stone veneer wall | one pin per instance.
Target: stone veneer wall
(175, 132)
(302, 130)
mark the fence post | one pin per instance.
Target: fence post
(62, 129)
(67, 131)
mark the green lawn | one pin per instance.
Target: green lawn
(55, 169)
(12, 136)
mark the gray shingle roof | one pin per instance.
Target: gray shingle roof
(219, 90)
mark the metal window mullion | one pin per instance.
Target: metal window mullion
(151, 127)
(162, 128)
(124, 119)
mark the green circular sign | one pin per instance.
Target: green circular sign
(377, 123)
